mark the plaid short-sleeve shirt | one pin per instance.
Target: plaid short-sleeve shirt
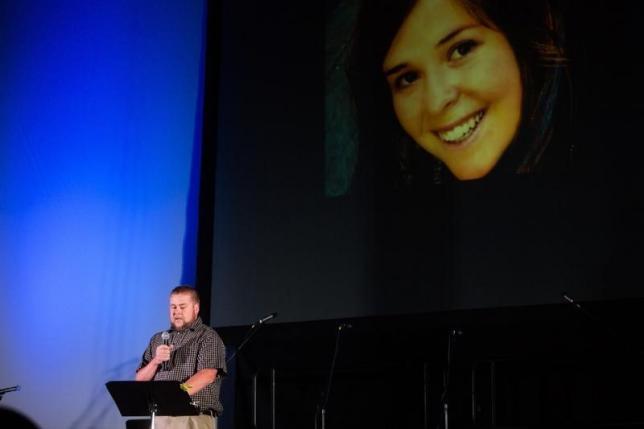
(196, 347)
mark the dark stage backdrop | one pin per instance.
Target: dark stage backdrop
(311, 223)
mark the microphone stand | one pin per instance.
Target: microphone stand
(607, 328)
(632, 354)
(575, 304)
(320, 412)
(249, 334)
(8, 389)
(451, 339)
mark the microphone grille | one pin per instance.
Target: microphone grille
(165, 335)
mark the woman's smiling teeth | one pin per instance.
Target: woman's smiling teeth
(461, 131)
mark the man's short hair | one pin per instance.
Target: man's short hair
(187, 289)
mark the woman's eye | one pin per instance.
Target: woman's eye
(405, 79)
(462, 49)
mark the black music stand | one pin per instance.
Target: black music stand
(151, 398)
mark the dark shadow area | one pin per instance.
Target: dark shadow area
(521, 367)
(16, 420)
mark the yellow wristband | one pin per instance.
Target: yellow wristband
(184, 387)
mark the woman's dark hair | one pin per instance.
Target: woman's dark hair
(535, 33)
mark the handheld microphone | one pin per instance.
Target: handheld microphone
(165, 336)
(9, 389)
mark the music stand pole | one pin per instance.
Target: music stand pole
(153, 413)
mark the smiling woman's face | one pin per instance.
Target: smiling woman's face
(455, 85)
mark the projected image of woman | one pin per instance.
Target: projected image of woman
(464, 79)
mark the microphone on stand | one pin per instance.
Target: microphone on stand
(253, 329)
(264, 319)
(9, 389)
(320, 411)
(607, 327)
(165, 336)
(587, 313)
(570, 300)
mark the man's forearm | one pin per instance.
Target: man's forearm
(147, 372)
(200, 380)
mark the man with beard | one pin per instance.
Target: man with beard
(193, 354)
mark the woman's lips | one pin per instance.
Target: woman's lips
(462, 130)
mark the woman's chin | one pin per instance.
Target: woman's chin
(470, 171)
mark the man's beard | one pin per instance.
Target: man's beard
(177, 328)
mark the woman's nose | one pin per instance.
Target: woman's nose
(440, 92)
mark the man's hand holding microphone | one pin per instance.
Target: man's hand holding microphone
(163, 352)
